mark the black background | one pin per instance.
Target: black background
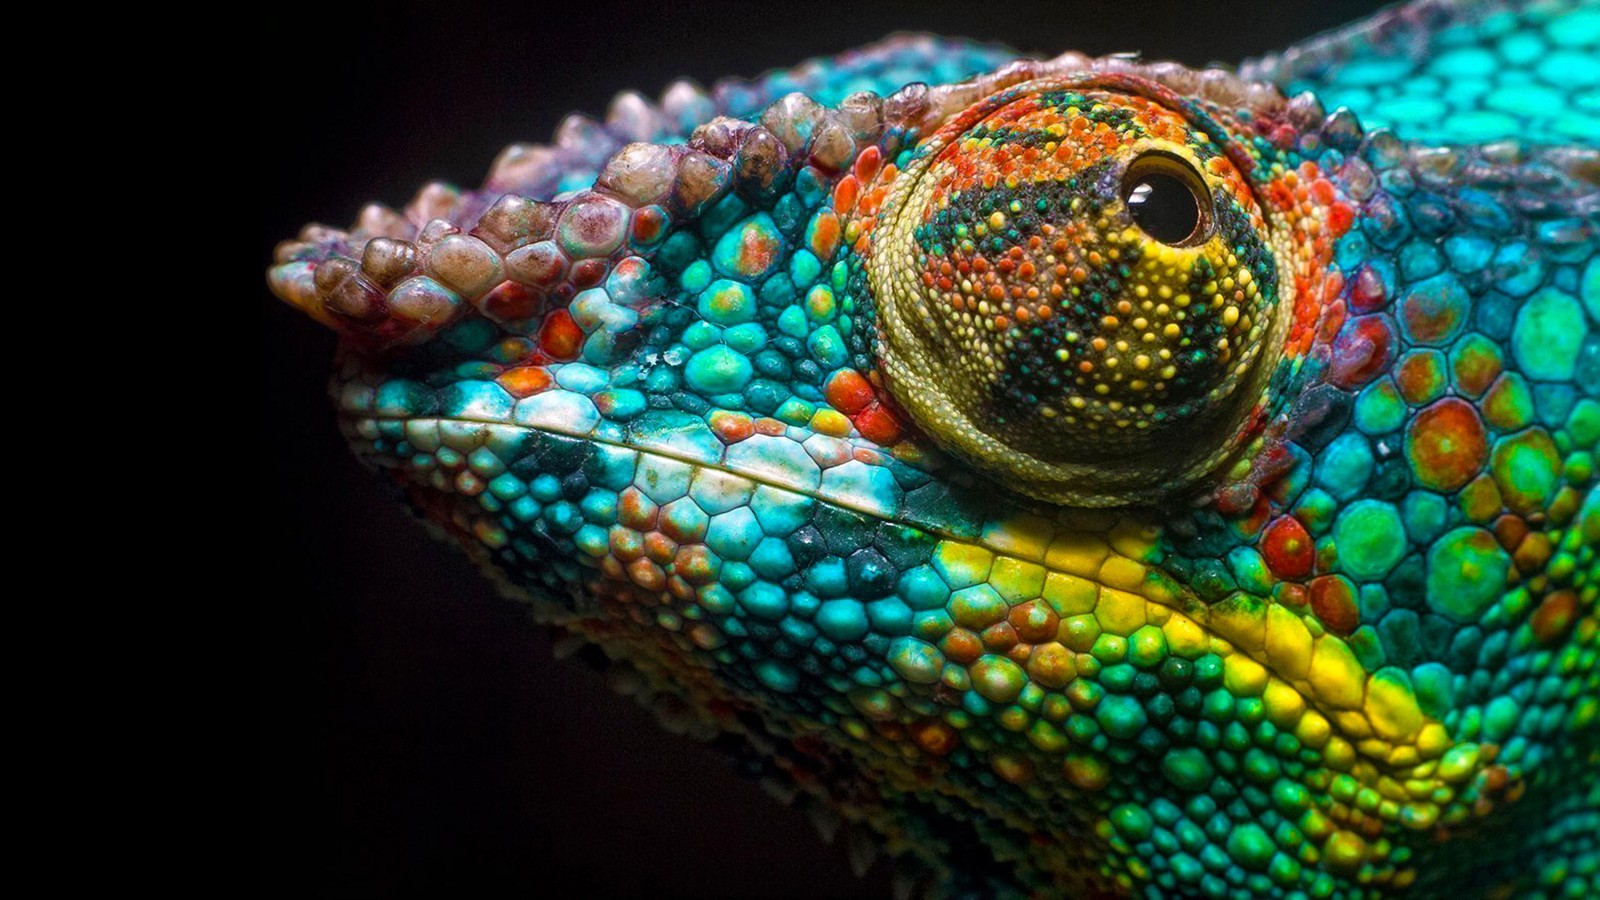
(416, 735)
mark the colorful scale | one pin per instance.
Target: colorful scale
(824, 418)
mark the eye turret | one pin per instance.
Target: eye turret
(1075, 292)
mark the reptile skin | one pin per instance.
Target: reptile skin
(1094, 477)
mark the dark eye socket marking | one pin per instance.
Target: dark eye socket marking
(1167, 199)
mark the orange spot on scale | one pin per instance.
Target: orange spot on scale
(933, 736)
(525, 381)
(1333, 599)
(1340, 218)
(878, 425)
(758, 249)
(732, 427)
(1333, 320)
(1288, 549)
(867, 164)
(867, 456)
(1447, 444)
(1555, 616)
(848, 392)
(560, 337)
(825, 236)
(846, 193)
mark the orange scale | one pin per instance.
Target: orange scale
(878, 425)
(848, 392)
(825, 235)
(525, 381)
(732, 427)
(647, 574)
(683, 592)
(867, 163)
(846, 193)
(611, 568)
(659, 548)
(1332, 321)
(560, 336)
(1340, 218)
(934, 737)
(867, 456)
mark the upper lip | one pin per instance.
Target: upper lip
(1286, 643)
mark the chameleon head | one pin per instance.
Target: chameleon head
(1262, 547)
(1076, 290)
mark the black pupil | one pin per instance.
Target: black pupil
(1164, 207)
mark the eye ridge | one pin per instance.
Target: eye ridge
(1168, 200)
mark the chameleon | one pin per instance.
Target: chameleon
(1087, 476)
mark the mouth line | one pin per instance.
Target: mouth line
(1376, 725)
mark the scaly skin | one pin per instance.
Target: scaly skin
(880, 437)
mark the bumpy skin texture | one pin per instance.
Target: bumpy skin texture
(852, 416)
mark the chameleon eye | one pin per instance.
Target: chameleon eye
(1074, 291)
(1167, 199)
